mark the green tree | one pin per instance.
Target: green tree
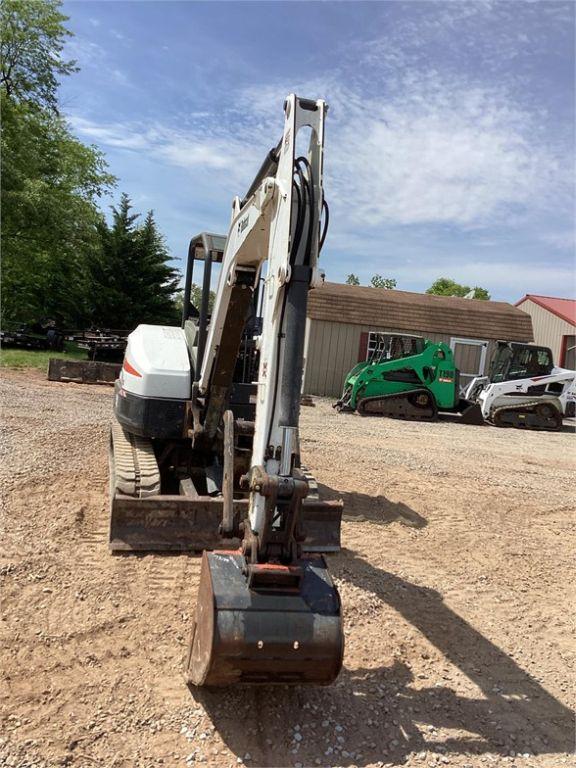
(352, 279)
(131, 280)
(50, 181)
(377, 281)
(444, 286)
(33, 37)
(195, 299)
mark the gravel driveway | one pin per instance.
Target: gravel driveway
(455, 580)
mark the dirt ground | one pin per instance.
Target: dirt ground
(455, 577)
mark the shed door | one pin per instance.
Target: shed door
(470, 358)
(569, 358)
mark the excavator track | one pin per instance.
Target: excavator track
(416, 405)
(135, 469)
(531, 415)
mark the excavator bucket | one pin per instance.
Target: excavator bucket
(265, 623)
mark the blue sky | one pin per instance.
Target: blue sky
(450, 136)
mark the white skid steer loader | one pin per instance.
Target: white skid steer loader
(524, 388)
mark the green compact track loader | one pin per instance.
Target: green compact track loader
(407, 377)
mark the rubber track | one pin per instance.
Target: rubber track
(136, 470)
(519, 408)
(412, 412)
(313, 492)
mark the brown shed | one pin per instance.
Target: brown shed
(343, 321)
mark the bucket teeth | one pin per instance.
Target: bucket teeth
(136, 471)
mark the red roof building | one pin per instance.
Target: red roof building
(554, 324)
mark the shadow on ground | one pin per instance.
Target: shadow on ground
(382, 712)
(360, 507)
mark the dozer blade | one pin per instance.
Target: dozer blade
(470, 413)
(82, 371)
(277, 624)
(166, 523)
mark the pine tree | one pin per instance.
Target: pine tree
(132, 281)
(160, 280)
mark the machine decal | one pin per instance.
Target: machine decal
(129, 369)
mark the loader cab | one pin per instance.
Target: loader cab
(383, 347)
(520, 361)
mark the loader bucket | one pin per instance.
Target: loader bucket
(470, 413)
(284, 630)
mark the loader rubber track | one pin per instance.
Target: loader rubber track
(135, 467)
(415, 405)
(531, 415)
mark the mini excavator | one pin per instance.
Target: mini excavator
(203, 458)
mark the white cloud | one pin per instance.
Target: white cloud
(111, 135)
(85, 51)
(120, 77)
(433, 150)
(563, 239)
(198, 151)
(441, 153)
(436, 152)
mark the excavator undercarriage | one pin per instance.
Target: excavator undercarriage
(190, 518)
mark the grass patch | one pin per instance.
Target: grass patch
(38, 358)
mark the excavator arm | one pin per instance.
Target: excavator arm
(277, 223)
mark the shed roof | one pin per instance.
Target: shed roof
(423, 312)
(563, 308)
